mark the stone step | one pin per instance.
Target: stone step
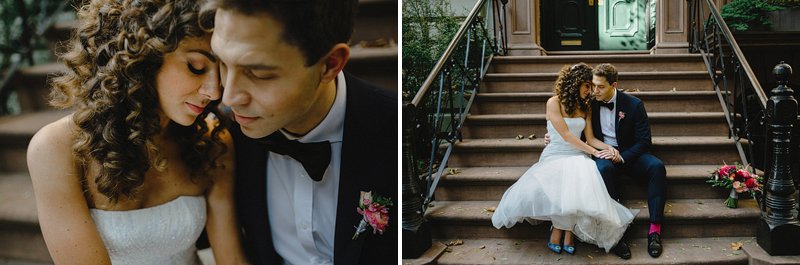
(20, 235)
(684, 218)
(654, 101)
(623, 62)
(661, 124)
(712, 250)
(642, 81)
(376, 19)
(375, 64)
(672, 150)
(31, 85)
(15, 134)
(489, 183)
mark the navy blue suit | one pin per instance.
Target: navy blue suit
(634, 140)
(369, 163)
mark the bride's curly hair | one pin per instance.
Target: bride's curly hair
(112, 59)
(568, 87)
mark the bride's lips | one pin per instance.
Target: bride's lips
(194, 108)
(243, 119)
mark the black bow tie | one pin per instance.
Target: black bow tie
(609, 105)
(314, 157)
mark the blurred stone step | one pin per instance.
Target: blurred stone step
(654, 101)
(20, 235)
(714, 250)
(672, 150)
(376, 19)
(375, 64)
(642, 81)
(32, 87)
(623, 62)
(661, 124)
(685, 218)
(15, 134)
(489, 183)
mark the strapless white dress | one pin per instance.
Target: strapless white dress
(566, 188)
(158, 235)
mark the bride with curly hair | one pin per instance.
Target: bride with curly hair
(565, 187)
(142, 165)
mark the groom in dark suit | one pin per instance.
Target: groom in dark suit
(309, 138)
(620, 120)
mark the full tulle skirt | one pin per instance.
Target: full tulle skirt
(567, 190)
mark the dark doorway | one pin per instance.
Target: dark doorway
(569, 25)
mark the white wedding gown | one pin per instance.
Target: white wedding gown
(566, 188)
(158, 235)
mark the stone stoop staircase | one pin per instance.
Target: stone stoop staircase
(689, 135)
(373, 58)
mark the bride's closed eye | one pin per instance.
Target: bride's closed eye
(195, 70)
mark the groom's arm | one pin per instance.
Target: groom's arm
(641, 134)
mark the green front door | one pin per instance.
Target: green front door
(622, 24)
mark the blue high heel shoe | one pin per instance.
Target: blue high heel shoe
(569, 249)
(554, 247)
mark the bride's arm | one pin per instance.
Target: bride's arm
(553, 113)
(67, 225)
(222, 225)
(588, 131)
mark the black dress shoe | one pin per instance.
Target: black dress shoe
(622, 250)
(654, 245)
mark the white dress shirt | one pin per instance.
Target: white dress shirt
(608, 122)
(302, 213)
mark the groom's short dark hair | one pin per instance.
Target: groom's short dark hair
(313, 26)
(606, 70)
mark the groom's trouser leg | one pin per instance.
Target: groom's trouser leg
(649, 167)
(609, 171)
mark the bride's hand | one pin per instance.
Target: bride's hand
(605, 154)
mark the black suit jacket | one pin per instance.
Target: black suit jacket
(369, 163)
(632, 127)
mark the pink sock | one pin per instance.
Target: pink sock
(655, 228)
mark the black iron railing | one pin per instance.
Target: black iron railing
(741, 96)
(432, 121)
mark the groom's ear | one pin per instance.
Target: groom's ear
(334, 61)
(614, 85)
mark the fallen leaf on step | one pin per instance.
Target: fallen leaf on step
(519, 136)
(532, 136)
(490, 209)
(590, 256)
(634, 90)
(454, 171)
(736, 245)
(482, 247)
(456, 242)
(448, 250)
(674, 89)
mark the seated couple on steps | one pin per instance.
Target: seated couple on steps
(564, 186)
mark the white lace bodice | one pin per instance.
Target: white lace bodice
(558, 146)
(159, 235)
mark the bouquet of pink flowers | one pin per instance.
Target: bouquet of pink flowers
(737, 179)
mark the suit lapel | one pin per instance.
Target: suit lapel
(346, 250)
(620, 105)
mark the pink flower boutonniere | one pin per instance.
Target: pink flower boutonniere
(375, 212)
(621, 115)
